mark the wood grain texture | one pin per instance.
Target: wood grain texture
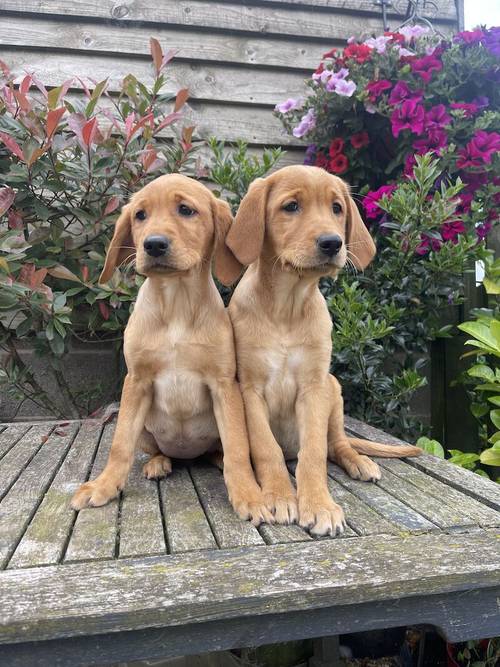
(20, 503)
(94, 534)
(141, 527)
(44, 541)
(229, 530)
(10, 435)
(444, 9)
(185, 521)
(51, 601)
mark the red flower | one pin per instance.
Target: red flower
(336, 146)
(359, 52)
(319, 69)
(321, 161)
(332, 53)
(339, 164)
(376, 88)
(360, 139)
(396, 36)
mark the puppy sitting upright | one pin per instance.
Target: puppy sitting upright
(180, 397)
(292, 228)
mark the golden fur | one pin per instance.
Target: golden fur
(283, 340)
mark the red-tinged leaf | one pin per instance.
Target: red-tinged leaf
(141, 123)
(104, 310)
(129, 122)
(88, 131)
(187, 133)
(148, 157)
(168, 120)
(7, 196)
(112, 205)
(44, 439)
(171, 53)
(53, 118)
(58, 93)
(60, 271)
(40, 86)
(85, 87)
(26, 274)
(156, 53)
(60, 431)
(25, 84)
(37, 278)
(85, 273)
(181, 99)
(38, 152)
(12, 145)
(5, 69)
(15, 220)
(22, 100)
(62, 424)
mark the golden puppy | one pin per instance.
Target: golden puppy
(180, 397)
(292, 228)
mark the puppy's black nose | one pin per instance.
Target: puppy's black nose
(156, 246)
(329, 244)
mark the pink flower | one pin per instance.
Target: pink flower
(437, 117)
(402, 91)
(425, 66)
(378, 43)
(410, 162)
(370, 202)
(289, 105)
(360, 140)
(468, 109)
(479, 150)
(307, 123)
(410, 32)
(409, 116)
(434, 140)
(483, 229)
(345, 88)
(450, 231)
(376, 88)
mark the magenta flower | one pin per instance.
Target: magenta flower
(425, 66)
(437, 117)
(450, 231)
(289, 105)
(376, 88)
(409, 116)
(483, 229)
(479, 150)
(469, 36)
(469, 109)
(402, 91)
(307, 123)
(410, 162)
(427, 244)
(434, 140)
(370, 202)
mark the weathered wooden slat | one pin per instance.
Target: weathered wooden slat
(229, 530)
(442, 493)
(385, 504)
(274, 534)
(141, 527)
(165, 591)
(18, 506)
(185, 521)
(10, 435)
(95, 531)
(205, 81)
(265, 20)
(44, 541)
(19, 456)
(133, 40)
(468, 482)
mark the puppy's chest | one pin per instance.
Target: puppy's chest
(284, 367)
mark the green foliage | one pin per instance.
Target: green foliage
(479, 653)
(431, 447)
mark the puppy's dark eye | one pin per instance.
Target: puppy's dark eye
(141, 215)
(186, 211)
(336, 208)
(291, 207)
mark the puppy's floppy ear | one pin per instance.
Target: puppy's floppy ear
(246, 236)
(121, 246)
(360, 246)
(226, 266)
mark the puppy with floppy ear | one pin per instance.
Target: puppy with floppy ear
(292, 228)
(180, 397)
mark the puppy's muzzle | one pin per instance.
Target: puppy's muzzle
(329, 245)
(157, 245)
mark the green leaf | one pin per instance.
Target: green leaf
(495, 417)
(7, 301)
(494, 399)
(479, 409)
(484, 334)
(24, 327)
(494, 438)
(431, 447)
(482, 371)
(491, 286)
(57, 344)
(490, 457)
(59, 327)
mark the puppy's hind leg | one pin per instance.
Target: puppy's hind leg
(340, 449)
(158, 465)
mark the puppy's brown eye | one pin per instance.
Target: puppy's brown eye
(291, 207)
(186, 211)
(336, 208)
(141, 215)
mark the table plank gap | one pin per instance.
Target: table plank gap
(47, 535)
(21, 502)
(95, 529)
(228, 529)
(11, 434)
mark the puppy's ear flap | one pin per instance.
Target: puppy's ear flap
(226, 266)
(360, 246)
(121, 246)
(246, 236)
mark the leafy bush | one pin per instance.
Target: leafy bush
(67, 164)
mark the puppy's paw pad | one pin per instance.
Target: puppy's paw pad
(254, 510)
(283, 507)
(361, 467)
(157, 467)
(93, 494)
(325, 518)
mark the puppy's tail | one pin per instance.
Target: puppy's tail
(385, 451)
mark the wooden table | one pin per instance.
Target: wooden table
(168, 569)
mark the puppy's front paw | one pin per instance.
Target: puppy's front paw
(158, 466)
(321, 516)
(361, 467)
(282, 504)
(251, 507)
(94, 494)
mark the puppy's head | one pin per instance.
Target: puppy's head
(304, 219)
(172, 226)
